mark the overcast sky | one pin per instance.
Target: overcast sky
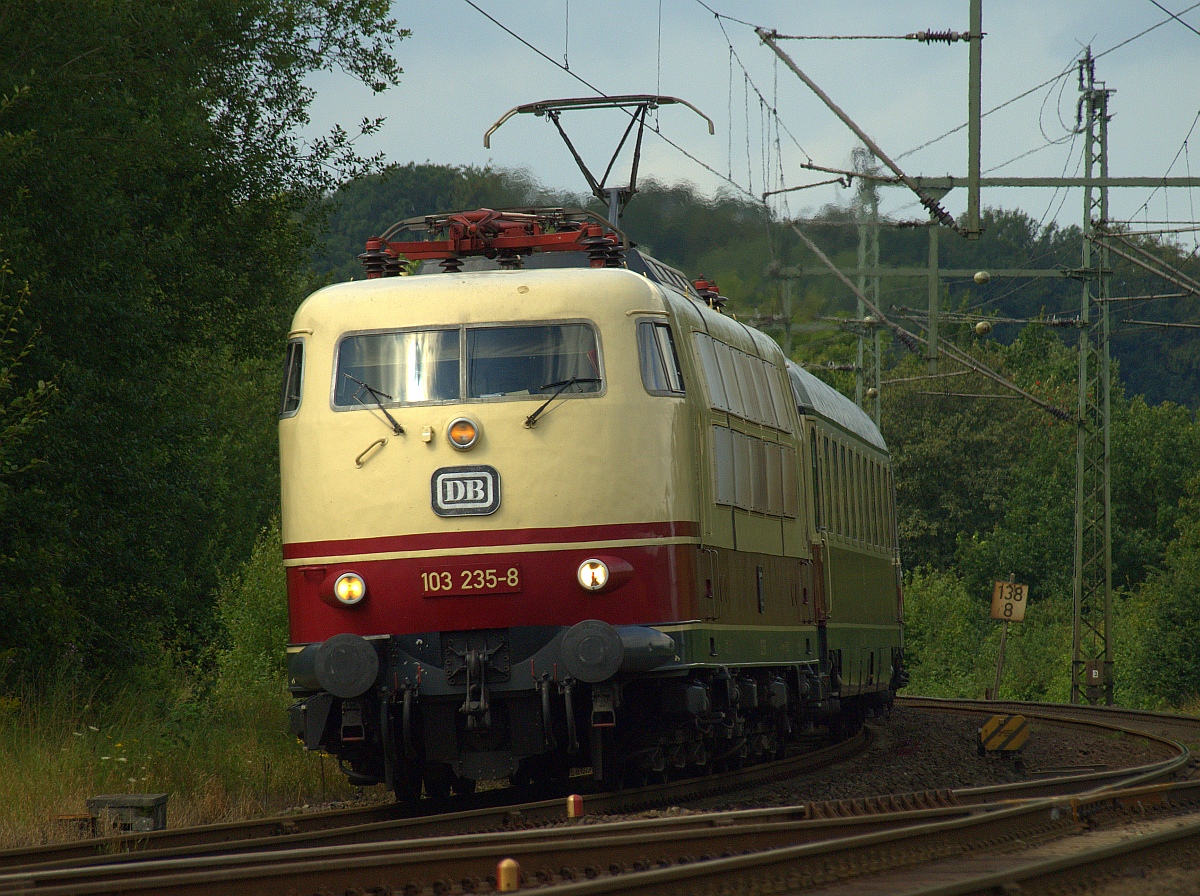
(462, 72)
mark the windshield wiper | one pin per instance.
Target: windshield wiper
(376, 394)
(532, 419)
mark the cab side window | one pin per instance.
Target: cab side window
(293, 376)
(661, 373)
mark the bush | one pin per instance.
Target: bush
(944, 629)
(1159, 652)
(252, 611)
(213, 735)
(951, 642)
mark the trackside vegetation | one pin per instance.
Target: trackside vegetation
(160, 220)
(208, 734)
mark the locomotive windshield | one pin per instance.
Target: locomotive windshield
(531, 360)
(405, 368)
(421, 366)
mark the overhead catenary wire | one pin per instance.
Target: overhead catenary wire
(947, 37)
(768, 113)
(928, 376)
(733, 54)
(1038, 87)
(1138, 256)
(658, 52)
(910, 340)
(1051, 320)
(1178, 153)
(1176, 17)
(931, 204)
(1027, 152)
(1000, 296)
(973, 395)
(1166, 325)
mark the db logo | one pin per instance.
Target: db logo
(464, 491)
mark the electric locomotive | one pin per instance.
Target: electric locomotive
(546, 506)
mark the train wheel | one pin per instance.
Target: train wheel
(849, 722)
(407, 785)
(463, 786)
(438, 781)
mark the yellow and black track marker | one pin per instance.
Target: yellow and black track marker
(1005, 734)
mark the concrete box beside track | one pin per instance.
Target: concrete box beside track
(129, 811)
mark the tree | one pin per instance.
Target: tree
(155, 196)
(20, 411)
(1162, 650)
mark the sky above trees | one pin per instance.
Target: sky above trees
(463, 72)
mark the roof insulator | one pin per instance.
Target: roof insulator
(602, 251)
(374, 259)
(707, 290)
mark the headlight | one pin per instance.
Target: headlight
(462, 433)
(349, 589)
(592, 574)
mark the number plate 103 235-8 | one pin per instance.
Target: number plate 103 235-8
(467, 579)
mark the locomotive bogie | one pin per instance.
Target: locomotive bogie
(536, 519)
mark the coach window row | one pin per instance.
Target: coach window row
(742, 385)
(752, 474)
(852, 492)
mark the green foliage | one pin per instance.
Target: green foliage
(252, 609)
(986, 488)
(219, 762)
(20, 411)
(1161, 622)
(158, 202)
(952, 642)
(1156, 451)
(945, 636)
(980, 480)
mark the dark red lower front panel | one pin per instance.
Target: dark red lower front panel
(454, 593)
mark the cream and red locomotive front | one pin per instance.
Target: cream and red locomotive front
(545, 506)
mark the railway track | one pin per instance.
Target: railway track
(884, 845)
(1168, 726)
(497, 810)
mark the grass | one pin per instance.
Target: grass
(217, 742)
(218, 762)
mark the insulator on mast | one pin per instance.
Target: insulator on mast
(938, 37)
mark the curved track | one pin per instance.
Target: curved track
(890, 844)
(492, 811)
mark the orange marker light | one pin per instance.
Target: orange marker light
(462, 433)
(574, 806)
(508, 876)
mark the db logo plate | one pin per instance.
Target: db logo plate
(465, 491)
